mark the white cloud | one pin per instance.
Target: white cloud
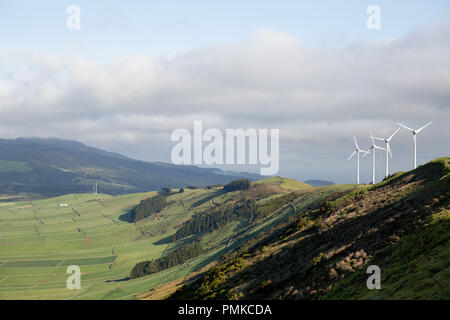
(318, 97)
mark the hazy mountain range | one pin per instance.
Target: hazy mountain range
(50, 167)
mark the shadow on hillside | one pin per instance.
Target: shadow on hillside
(118, 280)
(180, 242)
(296, 265)
(208, 198)
(165, 240)
(127, 217)
(323, 254)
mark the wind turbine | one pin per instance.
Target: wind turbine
(357, 151)
(372, 149)
(414, 132)
(388, 149)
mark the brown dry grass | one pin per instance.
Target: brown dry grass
(163, 291)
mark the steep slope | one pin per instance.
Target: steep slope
(53, 167)
(275, 202)
(401, 225)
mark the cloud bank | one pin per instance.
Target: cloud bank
(318, 97)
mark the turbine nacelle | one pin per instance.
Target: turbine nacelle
(387, 140)
(374, 146)
(414, 132)
(357, 150)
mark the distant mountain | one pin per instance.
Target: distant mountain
(247, 175)
(50, 167)
(319, 183)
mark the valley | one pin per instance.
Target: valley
(39, 239)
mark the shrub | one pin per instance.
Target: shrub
(325, 207)
(302, 222)
(317, 259)
(148, 206)
(165, 192)
(240, 184)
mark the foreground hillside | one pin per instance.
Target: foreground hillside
(37, 167)
(39, 239)
(402, 225)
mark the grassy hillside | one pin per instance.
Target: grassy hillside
(39, 239)
(401, 225)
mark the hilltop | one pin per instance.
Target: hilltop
(401, 224)
(51, 167)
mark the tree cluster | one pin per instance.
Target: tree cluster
(240, 184)
(214, 218)
(172, 259)
(147, 207)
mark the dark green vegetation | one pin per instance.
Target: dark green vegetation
(176, 257)
(323, 251)
(147, 207)
(241, 184)
(214, 218)
(50, 167)
(219, 216)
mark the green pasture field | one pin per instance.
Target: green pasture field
(40, 238)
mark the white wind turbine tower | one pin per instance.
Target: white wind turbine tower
(388, 149)
(372, 149)
(357, 151)
(414, 132)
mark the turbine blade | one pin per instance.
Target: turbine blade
(424, 127)
(351, 155)
(368, 151)
(378, 138)
(356, 143)
(389, 149)
(393, 134)
(371, 137)
(404, 127)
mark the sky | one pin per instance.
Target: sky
(137, 70)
